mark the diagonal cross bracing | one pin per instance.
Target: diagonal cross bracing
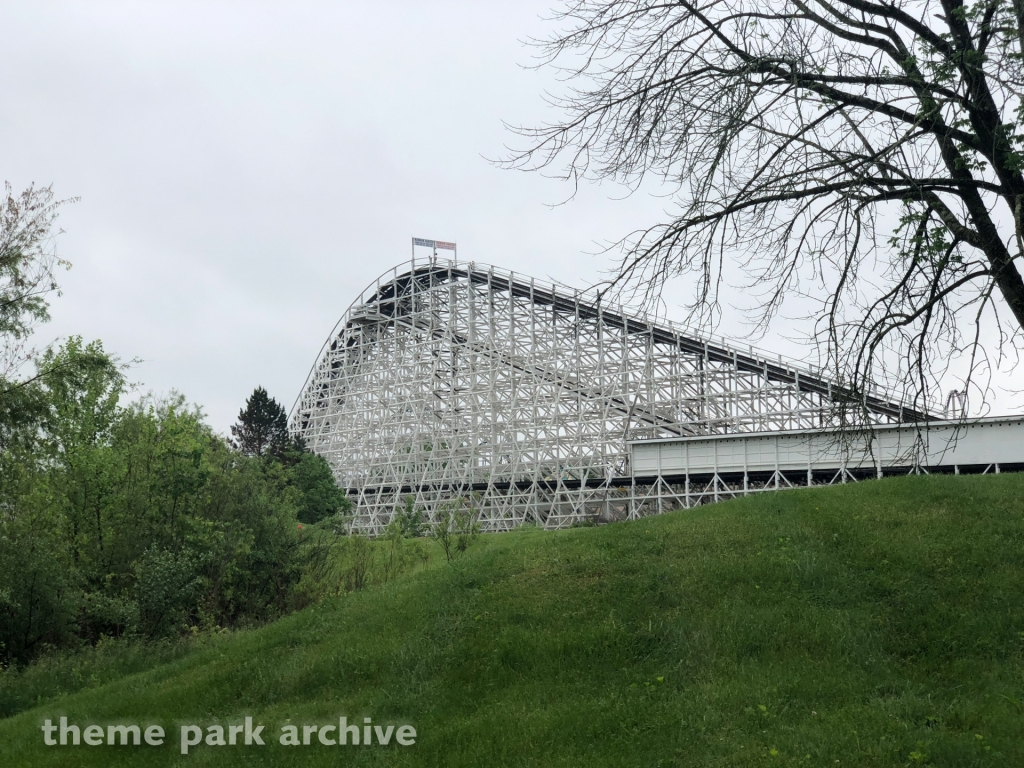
(447, 379)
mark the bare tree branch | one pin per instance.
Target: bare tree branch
(871, 148)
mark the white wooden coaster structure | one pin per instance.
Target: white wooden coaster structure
(446, 379)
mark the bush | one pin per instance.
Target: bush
(140, 519)
(166, 588)
(320, 497)
(410, 520)
(456, 528)
(39, 591)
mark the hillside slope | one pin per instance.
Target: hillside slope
(872, 624)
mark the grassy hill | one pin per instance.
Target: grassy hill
(873, 624)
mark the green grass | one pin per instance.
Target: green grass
(873, 624)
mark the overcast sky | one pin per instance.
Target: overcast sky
(245, 169)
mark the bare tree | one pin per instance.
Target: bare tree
(863, 155)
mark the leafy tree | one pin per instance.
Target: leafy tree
(82, 392)
(861, 159)
(129, 519)
(248, 533)
(262, 426)
(40, 596)
(28, 262)
(21, 407)
(320, 496)
(136, 519)
(54, 494)
(166, 586)
(262, 431)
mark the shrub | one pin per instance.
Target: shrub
(456, 527)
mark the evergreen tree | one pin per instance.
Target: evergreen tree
(262, 427)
